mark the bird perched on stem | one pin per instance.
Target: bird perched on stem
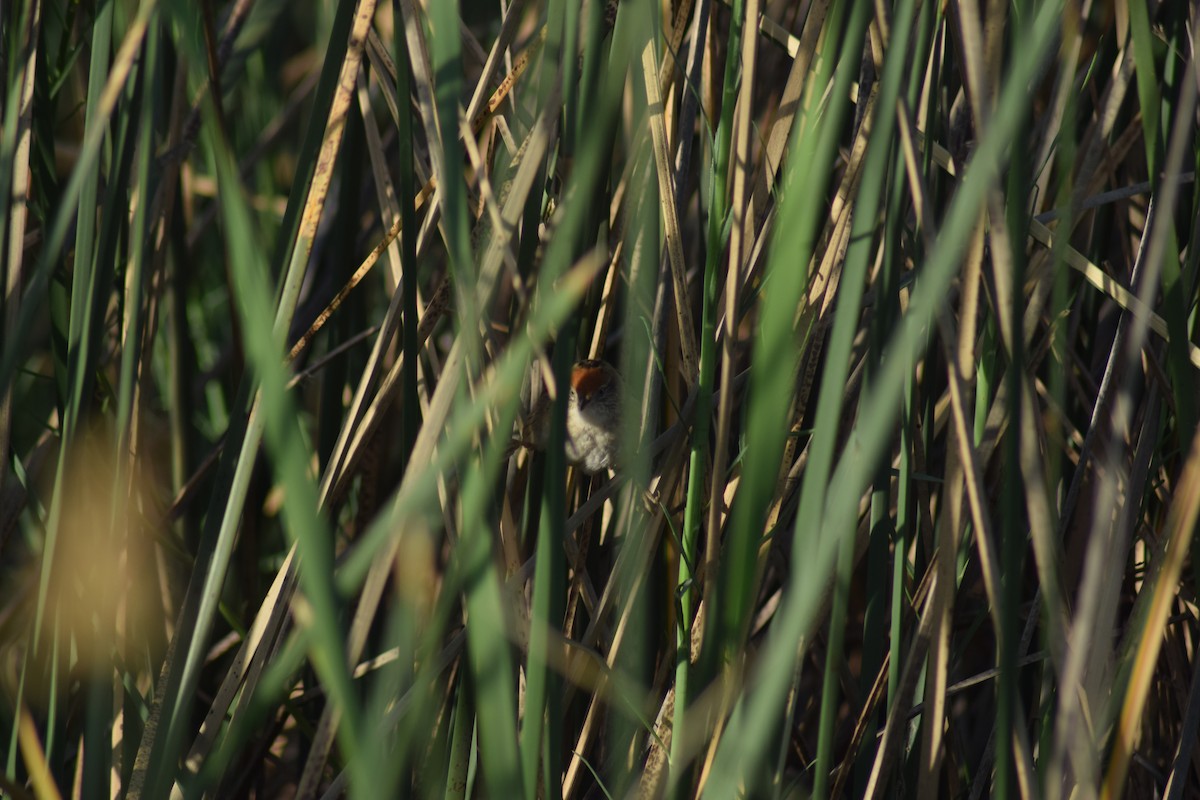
(593, 417)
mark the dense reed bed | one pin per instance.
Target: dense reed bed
(903, 296)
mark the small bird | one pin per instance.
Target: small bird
(593, 416)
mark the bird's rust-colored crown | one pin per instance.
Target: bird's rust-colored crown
(587, 377)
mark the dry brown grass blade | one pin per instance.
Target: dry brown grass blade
(670, 474)
(1181, 522)
(385, 191)
(607, 307)
(35, 757)
(422, 77)
(489, 207)
(318, 191)
(630, 583)
(666, 74)
(362, 421)
(18, 213)
(982, 49)
(508, 31)
(789, 107)
(368, 263)
(775, 32)
(383, 70)
(365, 417)
(339, 109)
(1098, 139)
(1183, 764)
(743, 212)
(666, 194)
(243, 674)
(1068, 55)
(888, 743)
(823, 287)
(870, 703)
(974, 481)
(520, 64)
(1094, 275)
(960, 471)
(813, 317)
(653, 780)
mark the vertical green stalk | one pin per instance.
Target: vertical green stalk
(541, 726)
(159, 748)
(490, 661)
(97, 761)
(1043, 713)
(290, 456)
(635, 354)
(822, 767)
(541, 733)
(77, 376)
(732, 615)
(405, 620)
(1014, 527)
(1155, 109)
(731, 618)
(636, 29)
(139, 237)
(66, 212)
(462, 734)
(1011, 552)
(880, 632)
(488, 655)
(814, 141)
(410, 421)
(142, 102)
(543, 697)
(829, 407)
(882, 528)
(905, 526)
(445, 52)
(873, 432)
